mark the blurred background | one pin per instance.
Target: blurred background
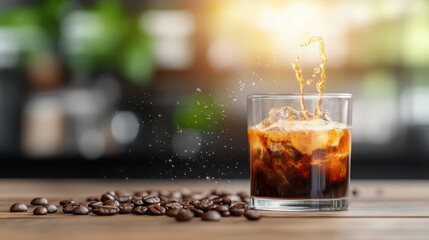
(157, 89)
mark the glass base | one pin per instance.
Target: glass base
(275, 204)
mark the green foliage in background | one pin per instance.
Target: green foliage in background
(101, 37)
(198, 111)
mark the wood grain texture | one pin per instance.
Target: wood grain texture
(381, 210)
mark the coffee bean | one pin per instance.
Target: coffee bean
(40, 211)
(51, 208)
(222, 208)
(155, 209)
(80, 210)
(184, 215)
(141, 193)
(18, 207)
(95, 204)
(252, 215)
(217, 200)
(225, 214)
(226, 200)
(106, 197)
(68, 208)
(111, 203)
(64, 202)
(211, 216)
(39, 201)
(173, 205)
(197, 212)
(126, 208)
(172, 212)
(150, 199)
(105, 210)
(237, 212)
(123, 197)
(205, 204)
(138, 201)
(140, 210)
(241, 205)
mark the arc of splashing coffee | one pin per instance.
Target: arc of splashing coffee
(320, 83)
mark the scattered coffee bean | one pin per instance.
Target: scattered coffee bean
(226, 200)
(184, 215)
(81, 210)
(105, 210)
(126, 208)
(95, 204)
(18, 207)
(151, 199)
(138, 201)
(241, 205)
(140, 210)
(211, 216)
(197, 212)
(217, 200)
(68, 208)
(106, 197)
(40, 211)
(64, 202)
(222, 208)
(111, 203)
(173, 205)
(225, 214)
(237, 212)
(39, 201)
(252, 215)
(155, 209)
(204, 204)
(51, 208)
(172, 212)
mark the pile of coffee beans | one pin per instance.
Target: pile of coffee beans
(183, 205)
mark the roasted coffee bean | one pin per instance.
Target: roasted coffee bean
(95, 204)
(141, 194)
(105, 210)
(184, 215)
(241, 205)
(237, 212)
(226, 200)
(222, 208)
(40, 211)
(113, 193)
(151, 199)
(91, 199)
(106, 197)
(18, 207)
(64, 202)
(225, 214)
(138, 201)
(211, 216)
(175, 195)
(173, 205)
(123, 197)
(51, 208)
(204, 204)
(81, 210)
(217, 200)
(68, 208)
(155, 209)
(197, 212)
(140, 210)
(111, 203)
(252, 215)
(39, 201)
(172, 212)
(126, 208)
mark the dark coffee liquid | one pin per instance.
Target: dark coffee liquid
(300, 164)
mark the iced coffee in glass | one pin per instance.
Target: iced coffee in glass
(300, 148)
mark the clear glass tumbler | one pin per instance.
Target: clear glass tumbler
(300, 156)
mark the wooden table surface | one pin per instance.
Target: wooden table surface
(381, 210)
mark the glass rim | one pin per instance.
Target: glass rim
(298, 95)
